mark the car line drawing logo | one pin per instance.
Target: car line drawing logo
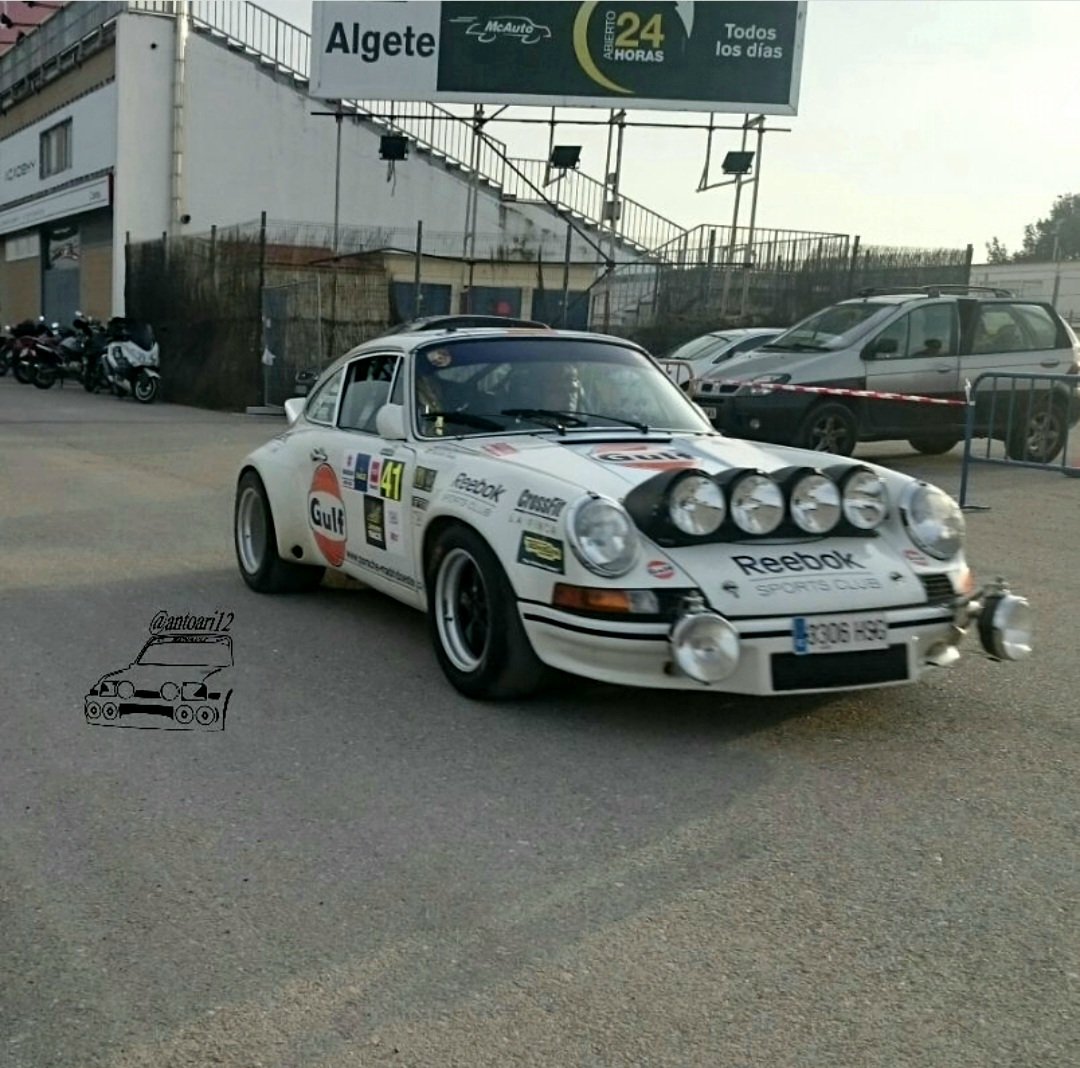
(487, 30)
(181, 680)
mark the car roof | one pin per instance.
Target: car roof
(407, 343)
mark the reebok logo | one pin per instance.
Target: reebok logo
(776, 565)
(478, 487)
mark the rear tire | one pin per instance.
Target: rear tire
(930, 446)
(829, 428)
(1041, 435)
(255, 540)
(474, 623)
(22, 373)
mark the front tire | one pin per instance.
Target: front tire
(473, 619)
(931, 446)
(255, 540)
(146, 388)
(1041, 436)
(829, 428)
(22, 373)
(44, 377)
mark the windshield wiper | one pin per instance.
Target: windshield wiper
(546, 417)
(798, 346)
(480, 422)
(573, 418)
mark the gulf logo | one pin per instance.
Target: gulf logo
(326, 514)
(645, 457)
(660, 569)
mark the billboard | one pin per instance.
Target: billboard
(725, 55)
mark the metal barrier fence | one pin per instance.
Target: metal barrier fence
(1043, 413)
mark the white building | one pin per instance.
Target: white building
(1058, 284)
(127, 121)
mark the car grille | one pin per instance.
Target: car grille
(148, 693)
(716, 388)
(939, 589)
(823, 671)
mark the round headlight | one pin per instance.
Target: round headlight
(815, 504)
(757, 504)
(1006, 627)
(705, 646)
(866, 500)
(696, 505)
(934, 521)
(602, 536)
(169, 691)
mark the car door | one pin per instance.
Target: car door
(916, 354)
(374, 474)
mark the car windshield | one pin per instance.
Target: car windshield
(490, 385)
(832, 328)
(177, 651)
(699, 346)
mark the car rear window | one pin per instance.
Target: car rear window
(1040, 324)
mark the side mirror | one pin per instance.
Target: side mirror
(882, 346)
(390, 422)
(294, 406)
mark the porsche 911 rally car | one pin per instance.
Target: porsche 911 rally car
(552, 500)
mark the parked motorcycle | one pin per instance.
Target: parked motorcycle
(60, 360)
(131, 360)
(34, 341)
(7, 350)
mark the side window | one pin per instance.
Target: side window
(366, 391)
(999, 329)
(895, 333)
(322, 404)
(932, 331)
(1040, 324)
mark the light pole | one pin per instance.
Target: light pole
(1057, 266)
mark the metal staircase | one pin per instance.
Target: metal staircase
(284, 50)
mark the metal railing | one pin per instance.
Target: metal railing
(1057, 401)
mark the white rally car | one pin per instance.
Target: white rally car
(553, 500)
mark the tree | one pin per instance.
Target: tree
(996, 252)
(1063, 223)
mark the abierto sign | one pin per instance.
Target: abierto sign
(726, 55)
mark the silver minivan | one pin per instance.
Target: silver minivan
(929, 343)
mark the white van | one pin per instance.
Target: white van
(929, 342)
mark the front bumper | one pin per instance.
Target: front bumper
(773, 417)
(641, 654)
(150, 710)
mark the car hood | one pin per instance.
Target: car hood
(152, 676)
(765, 361)
(612, 465)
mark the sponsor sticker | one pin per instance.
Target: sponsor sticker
(915, 557)
(645, 457)
(391, 479)
(375, 521)
(420, 503)
(545, 507)
(424, 479)
(538, 550)
(500, 448)
(326, 515)
(355, 474)
(660, 569)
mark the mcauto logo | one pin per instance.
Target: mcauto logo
(179, 681)
(326, 514)
(351, 39)
(487, 30)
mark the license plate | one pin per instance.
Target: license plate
(842, 633)
(710, 412)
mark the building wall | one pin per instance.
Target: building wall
(145, 54)
(97, 70)
(20, 290)
(253, 145)
(1035, 280)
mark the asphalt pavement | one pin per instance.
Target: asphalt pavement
(365, 868)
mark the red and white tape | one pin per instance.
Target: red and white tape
(833, 391)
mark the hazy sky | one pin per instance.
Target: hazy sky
(921, 122)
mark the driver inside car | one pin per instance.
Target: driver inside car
(553, 386)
